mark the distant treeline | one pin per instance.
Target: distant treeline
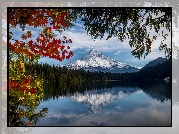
(60, 74)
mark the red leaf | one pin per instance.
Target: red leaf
(49, 28)
(63, 13)
(71, 53)
(50, 36)
(29, 34)
(41, 35)
(68, 47)
(30, 42)
(24, 37)
(70, 40)
(68, 57)
(63, 57)
(54, 41)
(54, 27)
(22, 89)
(25, 81)
(59, 17)
(53, 56)
(33, 90)
(58, 45)
(64, 37)
(65, 51)
(38, 39)
(62, 47)
(58, 58)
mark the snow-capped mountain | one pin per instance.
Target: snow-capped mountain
(95, 61)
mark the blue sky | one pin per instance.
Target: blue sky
(83, 43)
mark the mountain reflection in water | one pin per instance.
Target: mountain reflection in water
(95, 100)
(72, 101)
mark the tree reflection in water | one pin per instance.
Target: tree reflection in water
(22, 108)
(155, 89)
(23, 104)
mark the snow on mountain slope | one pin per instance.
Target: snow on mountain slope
(94, 60)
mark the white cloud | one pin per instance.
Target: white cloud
(81, 51)
(118, 107)
(82, 41)
(135, 116)
(118, 52)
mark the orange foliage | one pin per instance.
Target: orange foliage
(13, 85)
(44, 45)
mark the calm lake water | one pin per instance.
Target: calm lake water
(109, 103)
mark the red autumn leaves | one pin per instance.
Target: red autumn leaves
(49, 47)
(45, 44)
(38, 17)
(21, 86)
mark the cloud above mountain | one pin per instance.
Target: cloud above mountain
(118, 52)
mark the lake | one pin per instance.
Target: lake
(112, 103)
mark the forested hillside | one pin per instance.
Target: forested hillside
(57, 73)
